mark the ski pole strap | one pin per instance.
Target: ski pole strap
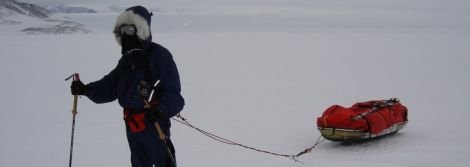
(75, 76)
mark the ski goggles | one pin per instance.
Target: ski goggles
(128, 29)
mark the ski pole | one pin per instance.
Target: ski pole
(75, 77)
(161, 135)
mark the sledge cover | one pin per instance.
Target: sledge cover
(363, 120)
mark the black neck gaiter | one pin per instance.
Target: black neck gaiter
(130, 42)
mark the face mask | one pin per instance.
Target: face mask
(130, 43)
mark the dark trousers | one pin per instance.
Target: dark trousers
(147, 149)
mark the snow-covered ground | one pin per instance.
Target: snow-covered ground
(259, 74)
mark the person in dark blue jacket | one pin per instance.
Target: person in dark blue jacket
(147, 85)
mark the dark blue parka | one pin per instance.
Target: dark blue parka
(121, 83)
(156, 61)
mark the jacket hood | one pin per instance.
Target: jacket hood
(138, 16)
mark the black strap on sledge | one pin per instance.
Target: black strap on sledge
(377, 106)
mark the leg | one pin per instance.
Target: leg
(138, 156)
(156, 149)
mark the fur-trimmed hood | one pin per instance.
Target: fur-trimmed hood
(138, 16)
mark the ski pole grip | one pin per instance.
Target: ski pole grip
(161, 135)
(75, 77)
(74, 105)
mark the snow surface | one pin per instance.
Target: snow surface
(256, 73)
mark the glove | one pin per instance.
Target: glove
(153, 114)
(78, 88)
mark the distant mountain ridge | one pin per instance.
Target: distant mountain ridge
(12, 7)
(60, 8)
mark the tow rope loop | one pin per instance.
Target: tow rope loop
(294, 157)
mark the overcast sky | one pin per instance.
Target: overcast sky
(182, 2)
(410, 4)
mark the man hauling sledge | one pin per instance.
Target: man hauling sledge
(147, 85)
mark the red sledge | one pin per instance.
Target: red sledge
(362, 121)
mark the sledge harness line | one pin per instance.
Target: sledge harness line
(294, 157)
